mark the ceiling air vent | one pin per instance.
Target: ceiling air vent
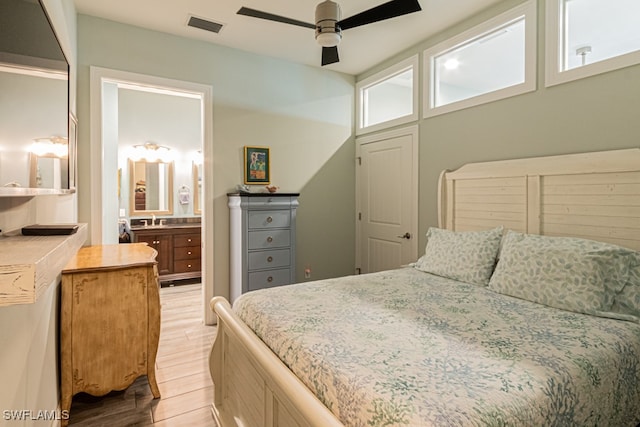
(203, 24)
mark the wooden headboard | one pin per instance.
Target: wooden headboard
(592, 195)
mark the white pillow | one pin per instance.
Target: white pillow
(468, 256)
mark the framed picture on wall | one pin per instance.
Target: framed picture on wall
(257, 169)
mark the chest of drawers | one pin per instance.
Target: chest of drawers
(263, 241)
(109, 321)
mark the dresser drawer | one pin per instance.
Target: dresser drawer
(269, 278)
(267, 239)
(186, 252)
(180, 240)
(263, 241)
(269, 219)
(270, 202)
(186, 265)
(269, 259)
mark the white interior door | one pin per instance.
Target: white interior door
(387, 200)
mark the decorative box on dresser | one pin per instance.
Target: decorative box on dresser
(178, 247)
(109, 321)
(262, 240)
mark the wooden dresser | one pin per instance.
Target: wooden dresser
(178, 247)
(263, 241)
(109, 320)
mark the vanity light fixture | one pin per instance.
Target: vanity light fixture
(57, 146)
(151, 152)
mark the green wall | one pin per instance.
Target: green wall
(304, 114)
(593, 114)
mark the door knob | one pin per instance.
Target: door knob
(406, 235)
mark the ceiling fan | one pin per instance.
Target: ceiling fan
(329, 25)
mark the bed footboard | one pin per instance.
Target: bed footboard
(252, 387)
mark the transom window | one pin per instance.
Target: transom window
(587, 37)
(388, 98)
(492, 61)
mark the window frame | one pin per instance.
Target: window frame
(554, 40)
(527, 10)
(411, 63)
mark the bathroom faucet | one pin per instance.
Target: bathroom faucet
(153, 219)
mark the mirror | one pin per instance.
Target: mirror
(48, 171)
(151, 188)
(197, 188)
(34, 105)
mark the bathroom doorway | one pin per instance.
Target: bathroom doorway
(107, 181)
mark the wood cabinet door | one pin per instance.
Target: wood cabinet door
(163, 245)
(109, 329)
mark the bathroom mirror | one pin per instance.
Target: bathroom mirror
(34, 107)
(151, 188)
(197, 188)
(48, 171)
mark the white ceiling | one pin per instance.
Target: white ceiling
(360, 49)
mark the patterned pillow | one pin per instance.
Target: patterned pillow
(627, 302)
(563, 272)
(468, 256)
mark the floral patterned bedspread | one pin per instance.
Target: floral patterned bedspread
(406, 348)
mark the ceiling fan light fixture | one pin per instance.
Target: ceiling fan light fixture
(329, 23)
(328, 32)
(328, 39)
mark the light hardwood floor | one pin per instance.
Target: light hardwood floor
(182, 368)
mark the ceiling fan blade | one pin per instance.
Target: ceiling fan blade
(330, 55)
(384, 11)
(271, 17)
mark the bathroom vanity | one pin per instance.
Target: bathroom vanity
(178, 246)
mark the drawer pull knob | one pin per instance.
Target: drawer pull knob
(270, 279)
(270, 259)
(269, 219)
(189, 240)
(188, 252)
(269, 239)
(188, 265)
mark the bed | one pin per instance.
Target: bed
(523, 310)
